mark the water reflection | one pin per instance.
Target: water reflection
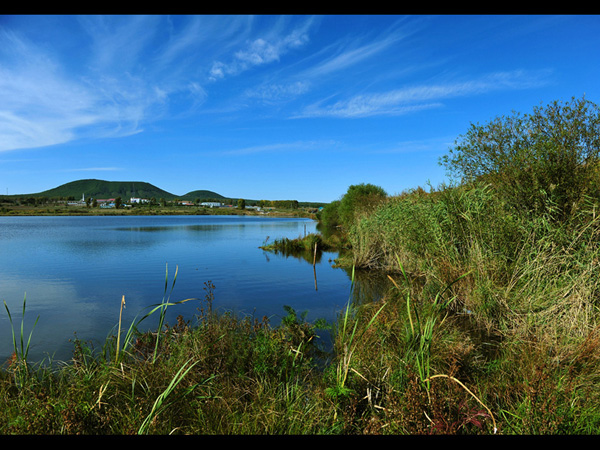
(369, 285)
(75, 270)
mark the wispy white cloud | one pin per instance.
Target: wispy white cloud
(262, 50)
(285, 147)
(43, 105)
(276, 92)
(418, 98)
(350, 57)
(357, 48)
(117, 42)
(129, 70)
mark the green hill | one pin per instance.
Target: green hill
(203, 195)
(100, 189)
(105, 189)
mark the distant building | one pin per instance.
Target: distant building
(211, 204)
(106, 202)
(80, 202)
(138, 200)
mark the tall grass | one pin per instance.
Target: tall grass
(348, 338)
(219, 375)
(22, 350)
(526, 307)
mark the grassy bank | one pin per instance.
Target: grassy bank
(519, 323)
(221, 374)
(11, 209)
(515, 250)
(217, 375)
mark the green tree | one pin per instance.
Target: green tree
(551, 155)
(359, 198)
(330, 217)
(118, 202)
(241, 204)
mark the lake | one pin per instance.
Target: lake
(74, 271)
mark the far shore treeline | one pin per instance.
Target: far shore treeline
(88, 190)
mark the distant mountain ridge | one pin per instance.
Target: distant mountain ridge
(101, 189)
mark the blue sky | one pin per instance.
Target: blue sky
(271, 107)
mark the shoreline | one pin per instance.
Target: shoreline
(167, 212)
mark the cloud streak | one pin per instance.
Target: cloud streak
(288, 147)
(42, 106)
(131, 70)
(417, 98)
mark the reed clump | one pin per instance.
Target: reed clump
(524, 308)
(298, 245)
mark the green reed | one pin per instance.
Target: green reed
(348, 339)
(421, 330)
(160, 403)
(160, 307)
(21, 351)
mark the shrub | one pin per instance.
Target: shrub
(360, 198)
(550, 155)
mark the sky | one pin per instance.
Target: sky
(272, 107)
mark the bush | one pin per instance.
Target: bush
(330, 217)
(360, 198)
(534, 160)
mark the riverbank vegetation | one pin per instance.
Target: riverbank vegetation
(491, 324)
(43, 206)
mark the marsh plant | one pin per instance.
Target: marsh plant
(18, 363)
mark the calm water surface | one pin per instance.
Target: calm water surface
(75, 270)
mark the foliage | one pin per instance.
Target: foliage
(359, 198)
(550, 155)
(329, 216)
